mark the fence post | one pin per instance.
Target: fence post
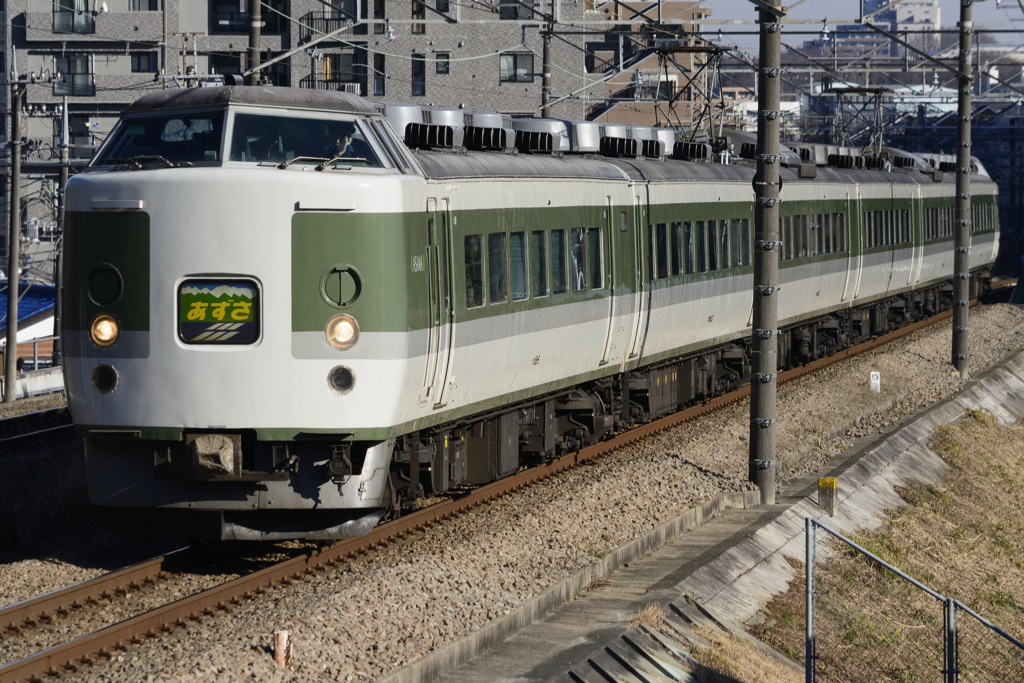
(35, 354)
(809, 655)
(950, 642)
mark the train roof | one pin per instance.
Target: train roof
(264, 96)
(445, 165)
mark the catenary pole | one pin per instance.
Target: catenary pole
(545, 88)
(13, 249)
(255, 38)
(58, 283)
(763, 416)
(962, 256)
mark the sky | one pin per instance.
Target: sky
(1008, 15)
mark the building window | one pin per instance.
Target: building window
(419, 75)
(441, 61)
(77, 72)
(419, 13)
(232, 16)
(143, 5)
(443, 6)
(73, 16)
(515, 9)
(144, 63)
(515, 67)
(378, 74)
(379, 14)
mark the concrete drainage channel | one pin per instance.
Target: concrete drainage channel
(752, 563)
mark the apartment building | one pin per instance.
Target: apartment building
(475, 54)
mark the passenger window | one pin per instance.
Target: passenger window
(538, 264)
(723, 237)
(814, 237)
(787, 238)
(745, 245)
(651, 274)
(712, 246)
(517, 265)
(498, 288)
(578, 257)
(878, 229)
(821, 235)
(677, 245)
(842, 230)
(828, 233)
(474, 271)
(662, 253)
(688, 247)
(699, 243)
(906, 225)
(558, 261)
(734, 241)
(804, 239)
(594, 260)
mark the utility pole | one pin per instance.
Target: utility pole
(545, 87)
(13, 249)
(255, 38)
(764, 337)
(58, 280)
(962, 256)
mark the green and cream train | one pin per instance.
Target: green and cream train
(282, 317)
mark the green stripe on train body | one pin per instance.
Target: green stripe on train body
(94, 239)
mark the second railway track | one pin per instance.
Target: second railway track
(105, 642)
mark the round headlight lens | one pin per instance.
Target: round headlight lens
(104, 330)
(342, 331)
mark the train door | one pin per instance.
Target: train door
(857, 245)
(892, 222)
(609, 256)
(849, 225)
(917, 236)
(439, 303)
(642, 305)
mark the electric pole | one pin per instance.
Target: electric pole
(545, 87)
(764, 337)
(13, 249)
(962, 257)
(62, 183)
(255, 38)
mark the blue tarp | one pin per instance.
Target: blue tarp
(32, 298)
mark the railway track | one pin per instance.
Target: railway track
(47, 426)
(107, 642)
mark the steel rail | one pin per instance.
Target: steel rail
(162, 619)
(38, 433)
(26, 612)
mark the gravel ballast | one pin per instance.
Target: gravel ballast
(381, 611)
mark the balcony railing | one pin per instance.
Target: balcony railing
(336, 83)
(73, 21)
(314, 24)
(75, 85)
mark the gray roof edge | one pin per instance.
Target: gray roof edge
(262, 95)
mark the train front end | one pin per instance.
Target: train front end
(233, 326)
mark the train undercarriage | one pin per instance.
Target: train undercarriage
(496, 444)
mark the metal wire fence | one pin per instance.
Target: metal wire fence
(868, 621)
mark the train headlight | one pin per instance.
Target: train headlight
(104, 330)
(342, 331)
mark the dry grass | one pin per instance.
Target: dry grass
(731, 660)
(963, 537)
(648, 615)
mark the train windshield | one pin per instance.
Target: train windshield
(173, 139)
(300, 140)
